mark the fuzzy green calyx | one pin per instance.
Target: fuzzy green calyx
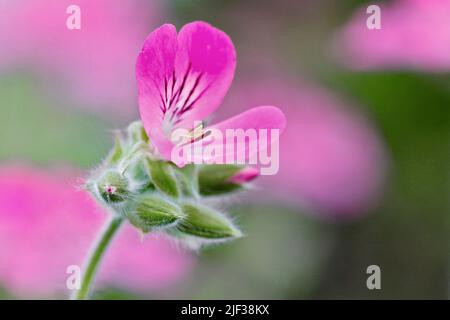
(213, 179)
(205, 222)
(163, 176)
(136, 132)
(154, 211)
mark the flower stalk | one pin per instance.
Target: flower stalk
(95, 257)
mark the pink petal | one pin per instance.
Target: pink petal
(154, 65)
(246, 175)
(259, 118)
(182, 80)
(212, 57)
(264, 118)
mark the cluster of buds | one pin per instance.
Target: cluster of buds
(156, 195)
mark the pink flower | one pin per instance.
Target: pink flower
(414, 34)
(331, 159)
(182, 78)
(96, 62)
(46, 225)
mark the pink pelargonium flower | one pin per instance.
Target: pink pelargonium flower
(46, 225)
(414, 34)
(182, 78)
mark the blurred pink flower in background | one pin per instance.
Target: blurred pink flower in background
(47, 225)
(414, 34)
(331, 160)
(96, 63)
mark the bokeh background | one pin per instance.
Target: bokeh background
(364, 175)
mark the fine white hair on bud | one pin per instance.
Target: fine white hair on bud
(156, 195)
(206, 222)
(136, 133)
(151, 211)
(113, 187)
(163, 176)
(223, 179)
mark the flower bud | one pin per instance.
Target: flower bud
(163, 177)
(136, 133)
(117, 152)
(113, 187)
(217, 179)
(205, 222)
(152, 210)
(187, 180)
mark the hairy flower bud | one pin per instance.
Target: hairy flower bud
(217, 179)
(152, 211)
(118, 150)
(205, 222)
(136, 132)
(152, 193)
(163, 177)
(113, 187)
(188, 180)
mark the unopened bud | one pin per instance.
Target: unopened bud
(136, 132)
(152, 211)
(163, 177)
(217, 179)
(113, 187)
(205, 222)
(187, 180)
(117, 151)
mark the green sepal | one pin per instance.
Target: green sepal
(163, 177)
(154, 211)
(117, 152)
(213, 179)
(139, 174)
(136, 133)
(187, 180)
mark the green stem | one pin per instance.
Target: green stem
(95, 256)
